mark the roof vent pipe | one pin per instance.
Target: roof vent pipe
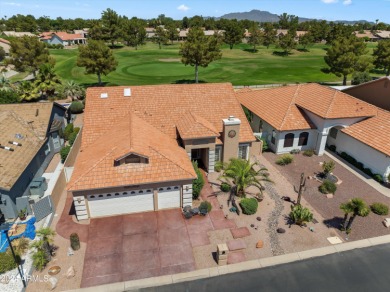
(231, 118)
(6, 148)
(15, 143)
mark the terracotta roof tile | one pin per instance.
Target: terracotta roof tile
(193, 126)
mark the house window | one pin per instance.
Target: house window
(273, 138)
(243, 151)
(288, 140)
(218, 152)
(333, 133)
(303, 138)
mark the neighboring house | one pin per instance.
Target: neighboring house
(367, 35)
(183, 33)
(383, 34)
(6, 45)
(376, 92)
(62, 38)
(150, 32)
(311, 116)
(83, 32)
(138, 143)
(18, 34)
(283, 32)
(29, 137)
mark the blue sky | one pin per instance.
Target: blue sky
(177, 9)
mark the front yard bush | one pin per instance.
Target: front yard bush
(7, 262)
(265, 144)
(308, 153)
(64, 153)
(225, 187)
(197, 184)
(327, 187)
(218, 166)
(285, 159)
(205, 205)
(378, 178)
(76, 107)
(380, 208)
(328, 166)
(249, 206)
(299, 215)
(74, 241)
(68, 130)
(73, 135)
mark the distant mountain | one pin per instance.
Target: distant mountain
(265, 16)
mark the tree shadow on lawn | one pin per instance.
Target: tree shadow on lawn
(250, 50)
(335, 222)
(281, 54)
(303, 50)
(95, 84)
(187, 81)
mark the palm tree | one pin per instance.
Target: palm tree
(27, 91)
(5, 84)
(346, 208)
(73, 90)
(47, 80)
(241, 174)
(46, 235)
(358, 208)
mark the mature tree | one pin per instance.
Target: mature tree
(73, 90)
(233, 33)
(269, 34)
(256, 37)
(97, 59)
(185, 22)
(2, 54)
(196, 21)
(287, 21)
(27, 91)
(360, 77)
(338, 31)
(355, 207)
(172, 33)
(43, 23)
(134, 33)
(6, 84)
(111, 23)
(160, 37)
(382, 56)
(242, 174)
(28, 54)
(200, 50)
(96, 31)
(306, 40)
(319, 30)
(47, 80)
(343, 56)
(287, 42)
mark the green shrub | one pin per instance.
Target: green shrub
(74, 241)
(295, 151)
(225, 187)
(299, 215)
(205, 205)
(308, 153)
(332, 148)
(328, 166)
(285, 159)
(379, 208)
(378, 178)
(360, 165)
(218, 166)
(40, 260)
(265, 144)
(327, 187)
(73, 136)
(368, 171)
(68, 130)
(9, 96)
(249, 206)
(7, 262)
(64, 153)
(197, 184)
(76, 107)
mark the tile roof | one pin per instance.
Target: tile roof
(281, 107)
(31, 121)
(4, 41)
(163, 106)
(193, 126)
(94, 168)
(276, 107)
(375, 131)
(63, 35)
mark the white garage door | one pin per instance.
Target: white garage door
(169, 197)
(120, 203)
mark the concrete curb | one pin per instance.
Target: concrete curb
(234, 268)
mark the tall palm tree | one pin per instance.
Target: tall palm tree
(242, 174)
(346, 208)
(47, 80)
(358, 208)
(73, 90)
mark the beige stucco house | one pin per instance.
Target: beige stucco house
(138, 143)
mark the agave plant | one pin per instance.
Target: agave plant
(299, 215)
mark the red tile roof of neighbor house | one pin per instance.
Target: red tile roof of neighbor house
(281, 107)
(146, 124)
(4, 41)
(68, 36)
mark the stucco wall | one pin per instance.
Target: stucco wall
(312, 139)
(371, 158)
(265, 133)
(57, 41)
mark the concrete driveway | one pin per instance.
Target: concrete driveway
(136, 246)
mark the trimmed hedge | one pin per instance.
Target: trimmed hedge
(76, 107)
(197, 184)
(380, 208)
(284, 159)
(225, 187)
(64, 153)
(73, 136)
(327, 187)
(249, 206)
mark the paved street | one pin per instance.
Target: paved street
(356, 270)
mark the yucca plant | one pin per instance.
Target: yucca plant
(299, 215)
(40, 260)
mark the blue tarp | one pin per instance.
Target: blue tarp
(29, 233)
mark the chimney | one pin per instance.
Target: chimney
(104, 95)
(231, 134)
(127, 92)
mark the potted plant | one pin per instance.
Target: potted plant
(22, 214)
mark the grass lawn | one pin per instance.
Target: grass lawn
(150, 65)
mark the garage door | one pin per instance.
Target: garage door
(169, 197)
(120, 203)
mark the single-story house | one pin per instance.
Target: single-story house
(138, 143)
(367, 34)
(29, 137)
(311, 116)
(6, 45)
(376, 92)
(62, 38)
(382, 35)
(83, 32)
